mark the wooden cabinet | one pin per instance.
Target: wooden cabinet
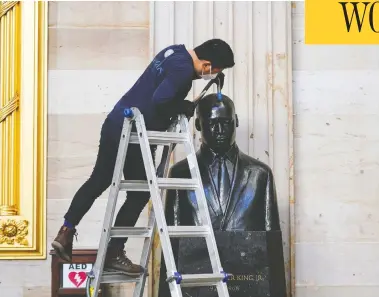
(69, 279)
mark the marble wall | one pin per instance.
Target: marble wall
(336, 145)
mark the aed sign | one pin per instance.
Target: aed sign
(341, 22)
(75, 275)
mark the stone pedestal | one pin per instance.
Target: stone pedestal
(254, 258)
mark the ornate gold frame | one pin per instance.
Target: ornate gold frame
(23, 84)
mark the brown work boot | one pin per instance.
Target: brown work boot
(117, 260)
(62, 244)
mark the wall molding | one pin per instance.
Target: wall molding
(23, 217)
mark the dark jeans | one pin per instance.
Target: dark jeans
(101, 179)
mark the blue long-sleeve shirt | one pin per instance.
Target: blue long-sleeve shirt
(167, 78)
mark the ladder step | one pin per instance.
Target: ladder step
(110, 277)
(163, 183)
(123, 232)
(160, 138)
(200, 280)
(188, 231)
(173, 231)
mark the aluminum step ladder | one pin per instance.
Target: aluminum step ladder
(156, 186)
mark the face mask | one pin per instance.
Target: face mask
(208, 76)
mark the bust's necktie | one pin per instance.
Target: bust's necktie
(223, 184)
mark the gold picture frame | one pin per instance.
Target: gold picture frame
(23, 120)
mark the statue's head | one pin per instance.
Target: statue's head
(217, 122)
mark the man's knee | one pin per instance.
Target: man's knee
(100, 179)
(99, 185)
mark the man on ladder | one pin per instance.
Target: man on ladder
(159, 94)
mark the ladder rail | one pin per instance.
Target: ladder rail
(147, 245)
(201, 202)
(148, 242)
(156, 200)
(111, 206)
(203, 209)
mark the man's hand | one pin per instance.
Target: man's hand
(186, 107)
(176, 107)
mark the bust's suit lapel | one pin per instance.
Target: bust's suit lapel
(235, 194)
(209, 190)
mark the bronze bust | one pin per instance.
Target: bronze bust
(240, 189)
(242, 203)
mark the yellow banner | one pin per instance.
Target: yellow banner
(341, 22)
